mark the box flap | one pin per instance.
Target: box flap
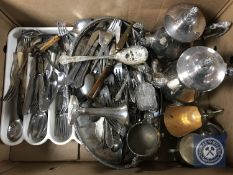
(150, 12)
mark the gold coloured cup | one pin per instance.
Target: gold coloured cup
(182, 120)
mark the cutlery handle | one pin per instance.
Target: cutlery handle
(22, 61)
(41, 91)
(49, 43)
(20, 58)
(124, 37)
(30, 87)
(91, 47)
(119, 93)
(99, 82)
(64, 59)
(79, 79)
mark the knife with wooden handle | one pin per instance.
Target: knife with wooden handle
(49, 43)
(100, 80)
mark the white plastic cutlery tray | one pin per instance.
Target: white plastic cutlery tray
(7, 109)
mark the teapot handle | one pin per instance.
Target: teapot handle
(229, 72)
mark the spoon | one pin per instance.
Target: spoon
(38, 122)
(15, 128)
(130, 56)
(38, 126)
(88, 84)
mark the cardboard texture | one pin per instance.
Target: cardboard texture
(210, 8)
(45, 152)
(151, 13)
(85, 155)
(223, 95)
(4, 152)
(96, 168)
(4, 29)
(6, 166)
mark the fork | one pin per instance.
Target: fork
(110, 80)
(105, 38)
(27, 42)
(17, 68)
(62, 30)
(105, 96)
(115, 28)
(118, 72)
(122, 87)
(62, 127)
(63, 33)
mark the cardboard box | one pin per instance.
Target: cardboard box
(150, 12)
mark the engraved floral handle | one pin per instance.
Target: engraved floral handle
(65, 59)
(130, 56)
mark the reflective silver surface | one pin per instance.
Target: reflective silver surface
(81, 24)
(187, 148)
(15, 130)
(185, 22)
(217, 29)
(201, 68)
(163, 45)
(130, 56)
(119, 113)
(143, 139)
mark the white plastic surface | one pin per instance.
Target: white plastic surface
(7, 111)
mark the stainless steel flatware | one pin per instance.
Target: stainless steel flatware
(79, 79)
(62, 128)
(15, 128)
(78, 70)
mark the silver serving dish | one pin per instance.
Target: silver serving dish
(201, 68)
(90, 129)
(185, 22)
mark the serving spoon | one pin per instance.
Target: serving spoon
(130, 56)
